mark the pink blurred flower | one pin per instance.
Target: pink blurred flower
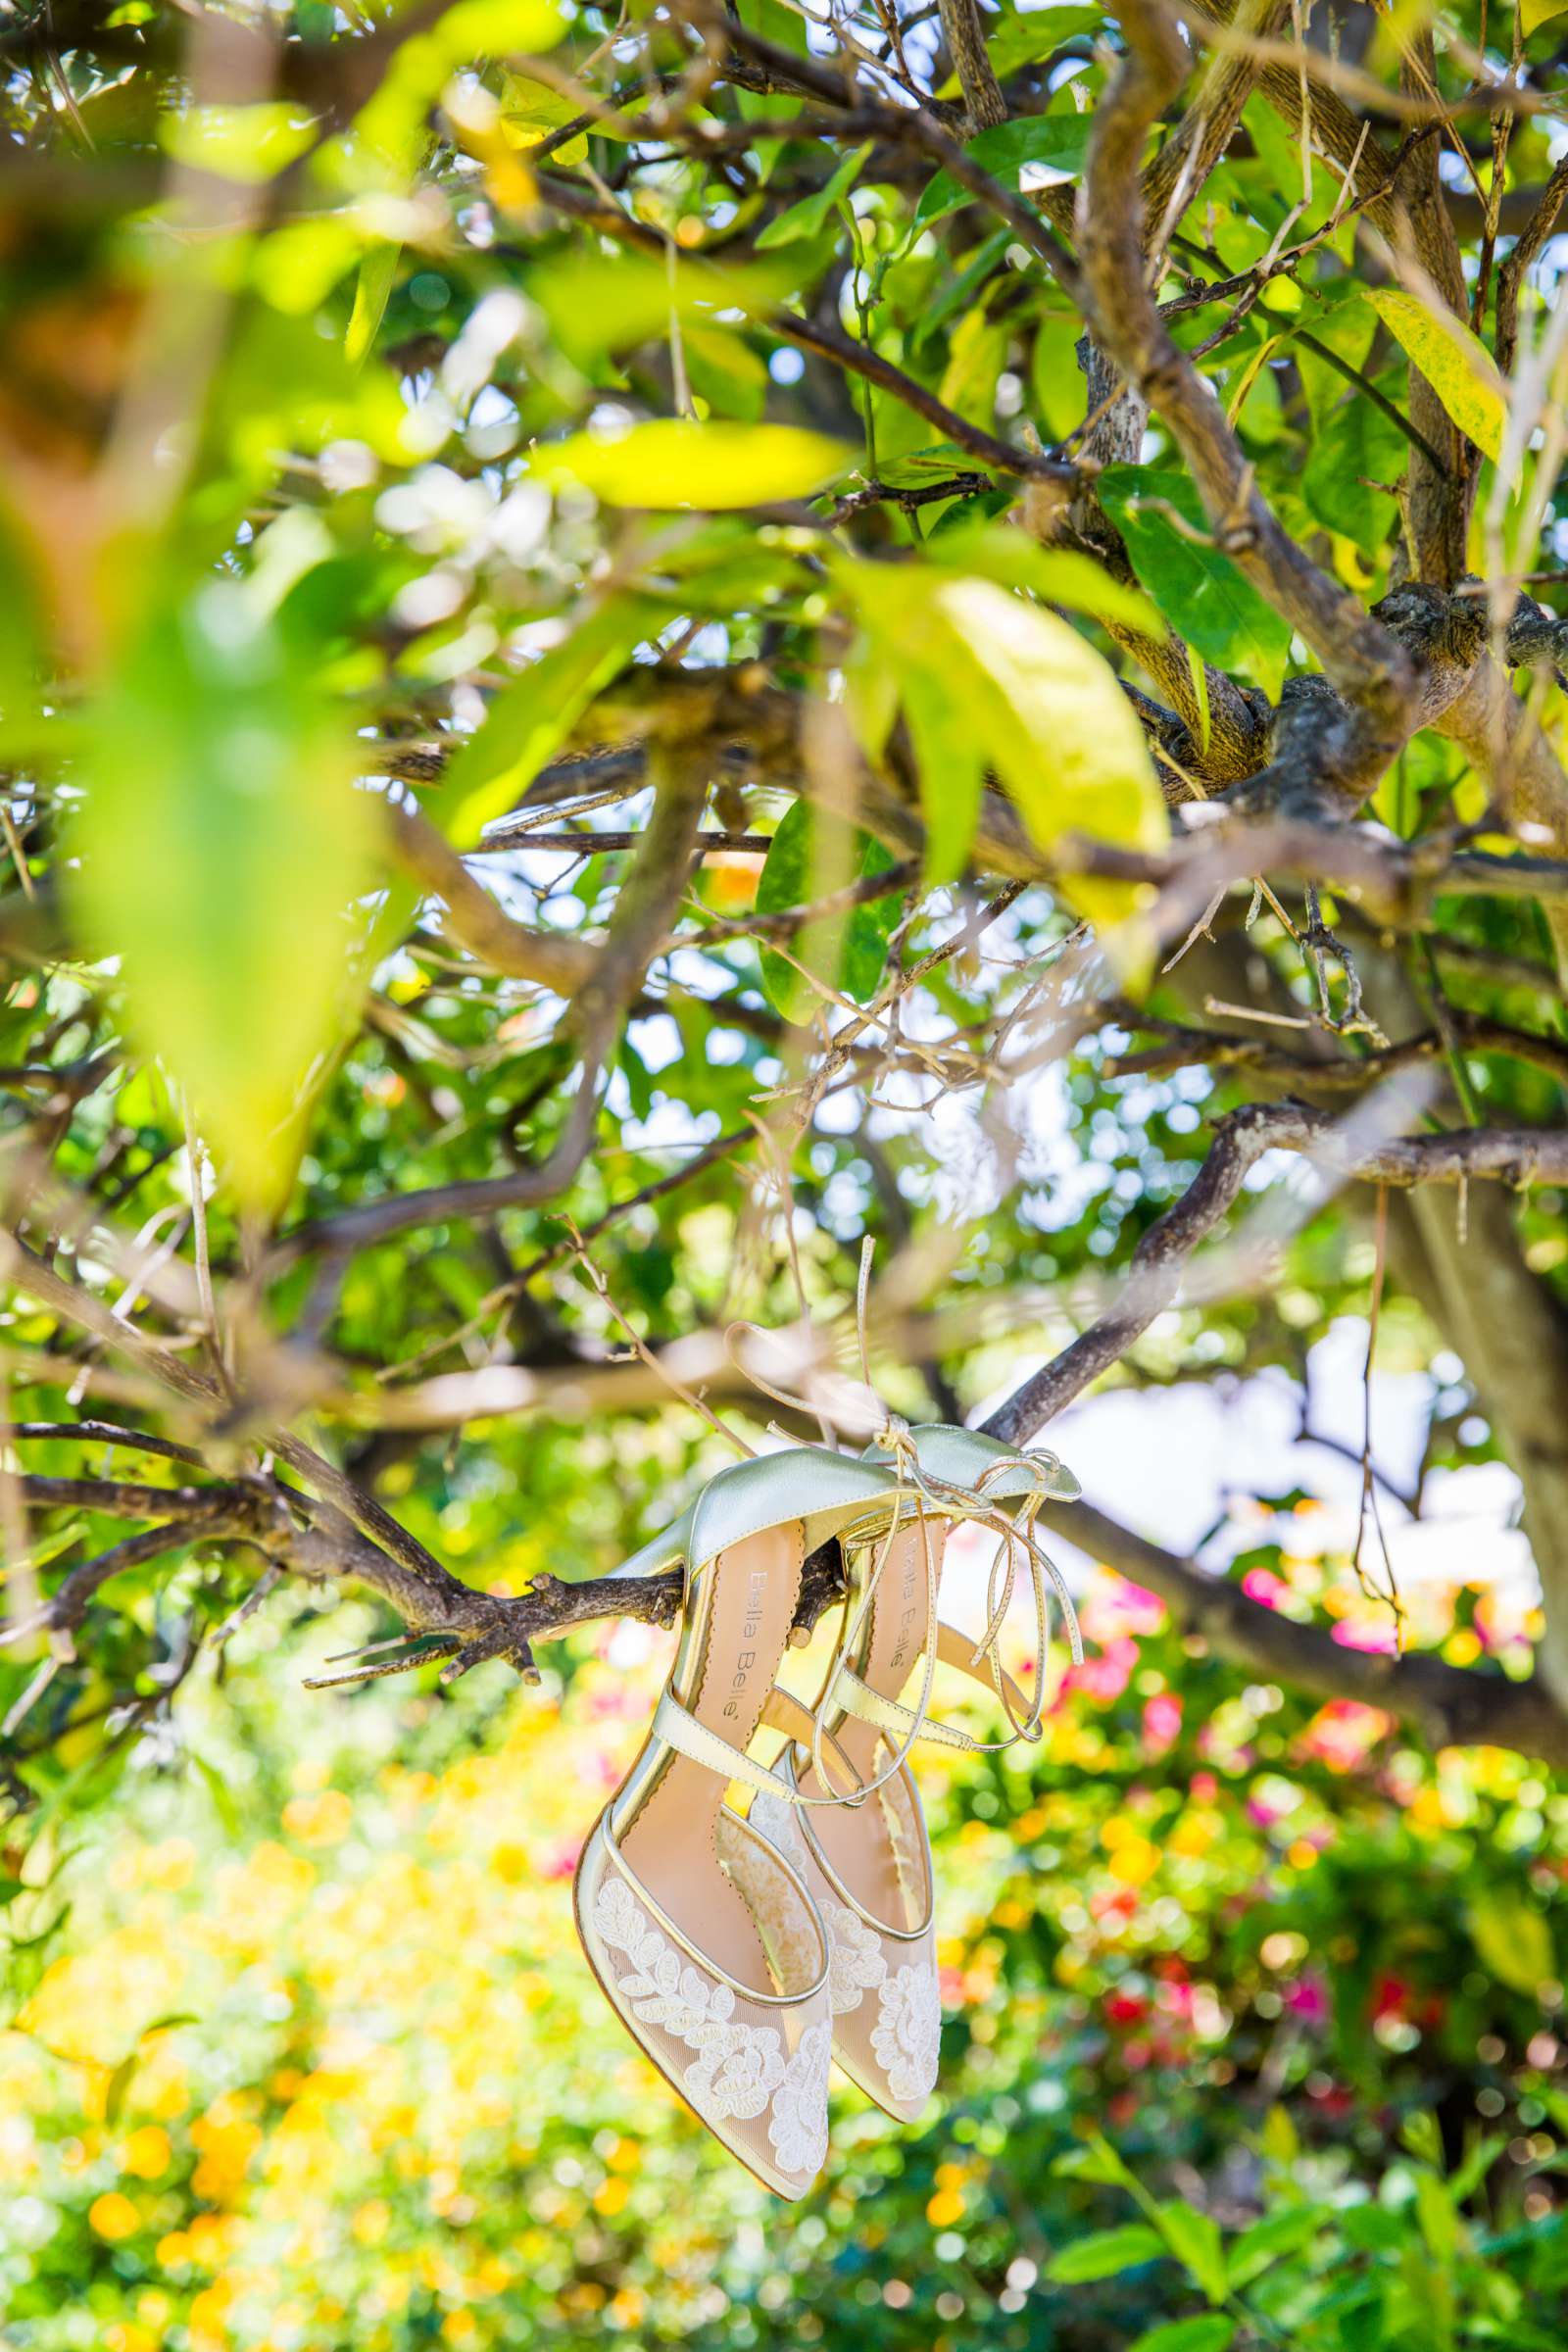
(1343, 1733)
(559, 1861)
(1308, 2000)
(1378, 1635)
(1162, 1721)
(1113, 1607)
(1106, 1676)
(1264, 1587)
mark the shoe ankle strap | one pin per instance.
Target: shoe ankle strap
(681, 1730)
(952, 1648)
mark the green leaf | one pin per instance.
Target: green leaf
(1053, 144)
(1354, 443)
(531, 719)
(1208, 2331)
(1252, 2253)
(1200, 591)
(394, 121)
(1054, 377)
(371, 291)
(812, 213)
(1439, 2223)
(725, 372)
(1059, 576)
(1514, 1941)
(978, 353)
(1020, 40)
(1533, 14)
(987, 680)
(221, 843)
(1475, 2163)
(786, 27)
(222, 1796)
(530, 111)
(672, 463)
(245, 143)
(812, 856)
(1106, 2254)
(1193, 2237)
(1055, 723)
(1459, 366)
(116, 2089)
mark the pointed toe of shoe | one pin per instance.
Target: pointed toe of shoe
(755, 2073)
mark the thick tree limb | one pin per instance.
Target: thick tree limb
(964, 34)
(1241, 1140)
(1452, 1707)
(1363, 662)
(556, 959)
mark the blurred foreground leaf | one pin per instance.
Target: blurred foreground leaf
(221, 844)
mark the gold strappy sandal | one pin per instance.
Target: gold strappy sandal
(707, 1941)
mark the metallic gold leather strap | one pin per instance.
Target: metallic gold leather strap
(897, 1722)
(954, 1649)
(681, 1730)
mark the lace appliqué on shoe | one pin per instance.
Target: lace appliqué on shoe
(739, 2070)
(856, 1965)
(778, 1824)
(855, 1961)
(908, 2031)
(798, 2124)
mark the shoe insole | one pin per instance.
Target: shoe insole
(748, 1598)
(873, 1848)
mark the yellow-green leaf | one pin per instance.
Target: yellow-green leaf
(1533, 14)
(1455, 363)
(378, 274)
(246, 143)
(221, 847)
(531, 719)
(1514, 1942)
(988, 680)
(670, 462)
(1058, 727)
(393, 122)
(1059, 575)
(530, 111)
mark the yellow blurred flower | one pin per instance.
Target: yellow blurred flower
(114, 2216)
(372, 2221)
(322, 1820)
(147, 2153)
(125, 2336)
(1134, 1861)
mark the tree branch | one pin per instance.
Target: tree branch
(1452, 1707)
(1154, 1276)
(1366, 663)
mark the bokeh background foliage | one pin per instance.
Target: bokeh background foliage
(419, 422)
(315, 2059)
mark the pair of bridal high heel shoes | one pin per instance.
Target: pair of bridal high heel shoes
(745, 1951)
